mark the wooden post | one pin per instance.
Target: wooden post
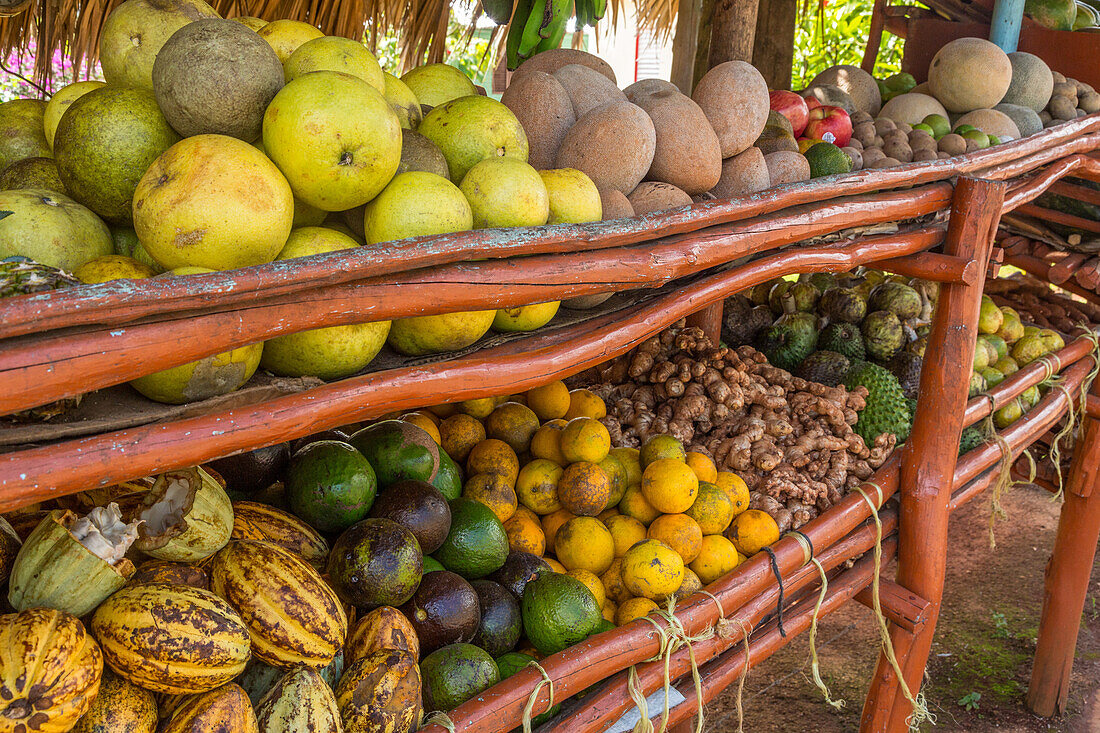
(710, 320)
(684, 44)
(928, 464)
(1067, 576)
(733, 31)
(874, 36)
(773, 48)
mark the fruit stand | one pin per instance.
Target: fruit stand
(953, 220)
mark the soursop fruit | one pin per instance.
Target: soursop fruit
(886, 410)
(883, 335)
(970, 439)
(742, 321)
(790, 340)
(842, 305)
(824, 367)
(906, 365)
(843, 338)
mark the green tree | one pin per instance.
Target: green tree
(837, 34)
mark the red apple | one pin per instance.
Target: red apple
(828, 121)
(791, 106)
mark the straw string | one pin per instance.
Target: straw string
(529, 707)
(722, 627)
(920, 711)
(439, 718)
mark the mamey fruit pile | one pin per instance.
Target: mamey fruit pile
(794, 442)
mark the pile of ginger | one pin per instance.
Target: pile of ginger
(789, 439)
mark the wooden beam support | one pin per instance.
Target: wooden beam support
(773, 47)
(1067, 576)
(684, 44)
(710, 320)
(733, 31)
(928, 465)
(899, 605)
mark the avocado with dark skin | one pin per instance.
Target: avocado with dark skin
(444, 610)
(501, 622)
(518, 570)
(419, 507)
(253, 471)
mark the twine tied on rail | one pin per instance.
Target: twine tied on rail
(534, 696)
(723, 627)
(439, 718)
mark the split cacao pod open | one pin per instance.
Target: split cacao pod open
(49, 671)
(171, 638)
(300, 702)
(381, 693)
(292, 614)
(188, 516)
(255, 521)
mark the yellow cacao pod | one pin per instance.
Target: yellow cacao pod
(49, 671)
(120, 707)
(171, 638)
(381, 693)
(300, 702)
(255, 521)
(225, 708)
(291, 613)
(383, 628)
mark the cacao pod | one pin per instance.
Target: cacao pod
(173, 573)
(255, 521)
(291, 613)
(171, 638)
(258, 678)
(54, 569)
(49, 671)
(120, 707)
(225, 709)
(383, 628)
(188, 516)
(381, 693)
(9, 548)
(300, 702)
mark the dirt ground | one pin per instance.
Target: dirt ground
(981, 658)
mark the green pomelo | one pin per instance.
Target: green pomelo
(105, 143)
(60, 102)
(32, 173)
(573, 197)
(333, 53)
(334, 137)
(439, 334)
(470, 129)
(51, 228)
(504, 192)
(22, 131)
(213, 201)
(329, 353)
(416, 204)
(435, 84)
(404, 102)
(134, 33)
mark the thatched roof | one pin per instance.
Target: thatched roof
(72, 26)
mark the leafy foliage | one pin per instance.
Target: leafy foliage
(835, 32)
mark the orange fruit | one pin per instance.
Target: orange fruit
(735, 489)
(633, 609)
(552, 522)
(717, 556)
(424, 421)
(513, 423)
(702, 465)
(669, 485)
(549, 401)
(524, 511)
(525, 534)
(612, 580)
(584, 403)
(692, 584)
(626, 531)
(652, 569)
(661, 446)
(546, 443)
(680, 532)
(585, 439)
(753, 530)
(537, 486)
(493, 456)
(608, 610)
(629, 458)
(607, 513)
(634, 504)
(493, 491)
(584, 489)
(479, 408)
(584, 543)
(712, 509)
(443, 411)
(592, 582)
(616, 474)
(458, 434)
(556, 566)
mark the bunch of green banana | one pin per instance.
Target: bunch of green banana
(590, 11)
(537, 25)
